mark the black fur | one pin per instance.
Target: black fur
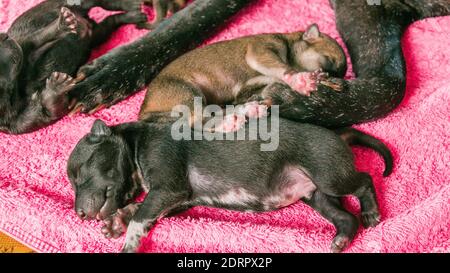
(50, 37)
(111, 165)
(127, 69)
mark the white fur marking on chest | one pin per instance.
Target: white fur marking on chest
(138, 180)
(135, 232)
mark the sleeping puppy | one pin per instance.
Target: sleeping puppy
(110, 166)
(42, 48)
(231, 72)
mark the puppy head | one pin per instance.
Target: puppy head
(316, 50)
(100, 170)
(11, 58)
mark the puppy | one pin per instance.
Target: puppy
(41, 49)
(227, 72)
(112, 165)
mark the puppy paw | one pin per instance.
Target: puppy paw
(54, 97)
(340, 242)
(100, 83)
(116, 225)
(254, 109)
(334, 83)
(304, 82)
(231, 123)
(68, 21)
(60, 82)
(370, 219)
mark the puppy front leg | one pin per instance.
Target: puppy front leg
(345, 223)
(157, 204)
(117, 224)
(270, 59)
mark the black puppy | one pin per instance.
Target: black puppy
(42, 48)
(111, 165)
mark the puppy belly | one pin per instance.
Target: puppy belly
(289, 187)
(292, 185)
(214, 191)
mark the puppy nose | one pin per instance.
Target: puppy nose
(81, 214)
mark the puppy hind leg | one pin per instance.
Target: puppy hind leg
(275, 93)
(360, 185)
(370, 214)
(330, 207)
(252, 100)
(65, 24)
(167, 95)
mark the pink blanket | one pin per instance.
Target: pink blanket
(36, 200)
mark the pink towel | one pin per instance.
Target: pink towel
(36, 200)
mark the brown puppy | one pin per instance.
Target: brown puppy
(222, 73)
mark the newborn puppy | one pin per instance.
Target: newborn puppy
(227, 72)
(41, 49)
(112, 165)
(163, 7)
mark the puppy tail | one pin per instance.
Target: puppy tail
(353, 136)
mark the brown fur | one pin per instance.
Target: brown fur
(219, 72)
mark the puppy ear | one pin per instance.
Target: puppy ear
(312, 33)
(100, 129)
